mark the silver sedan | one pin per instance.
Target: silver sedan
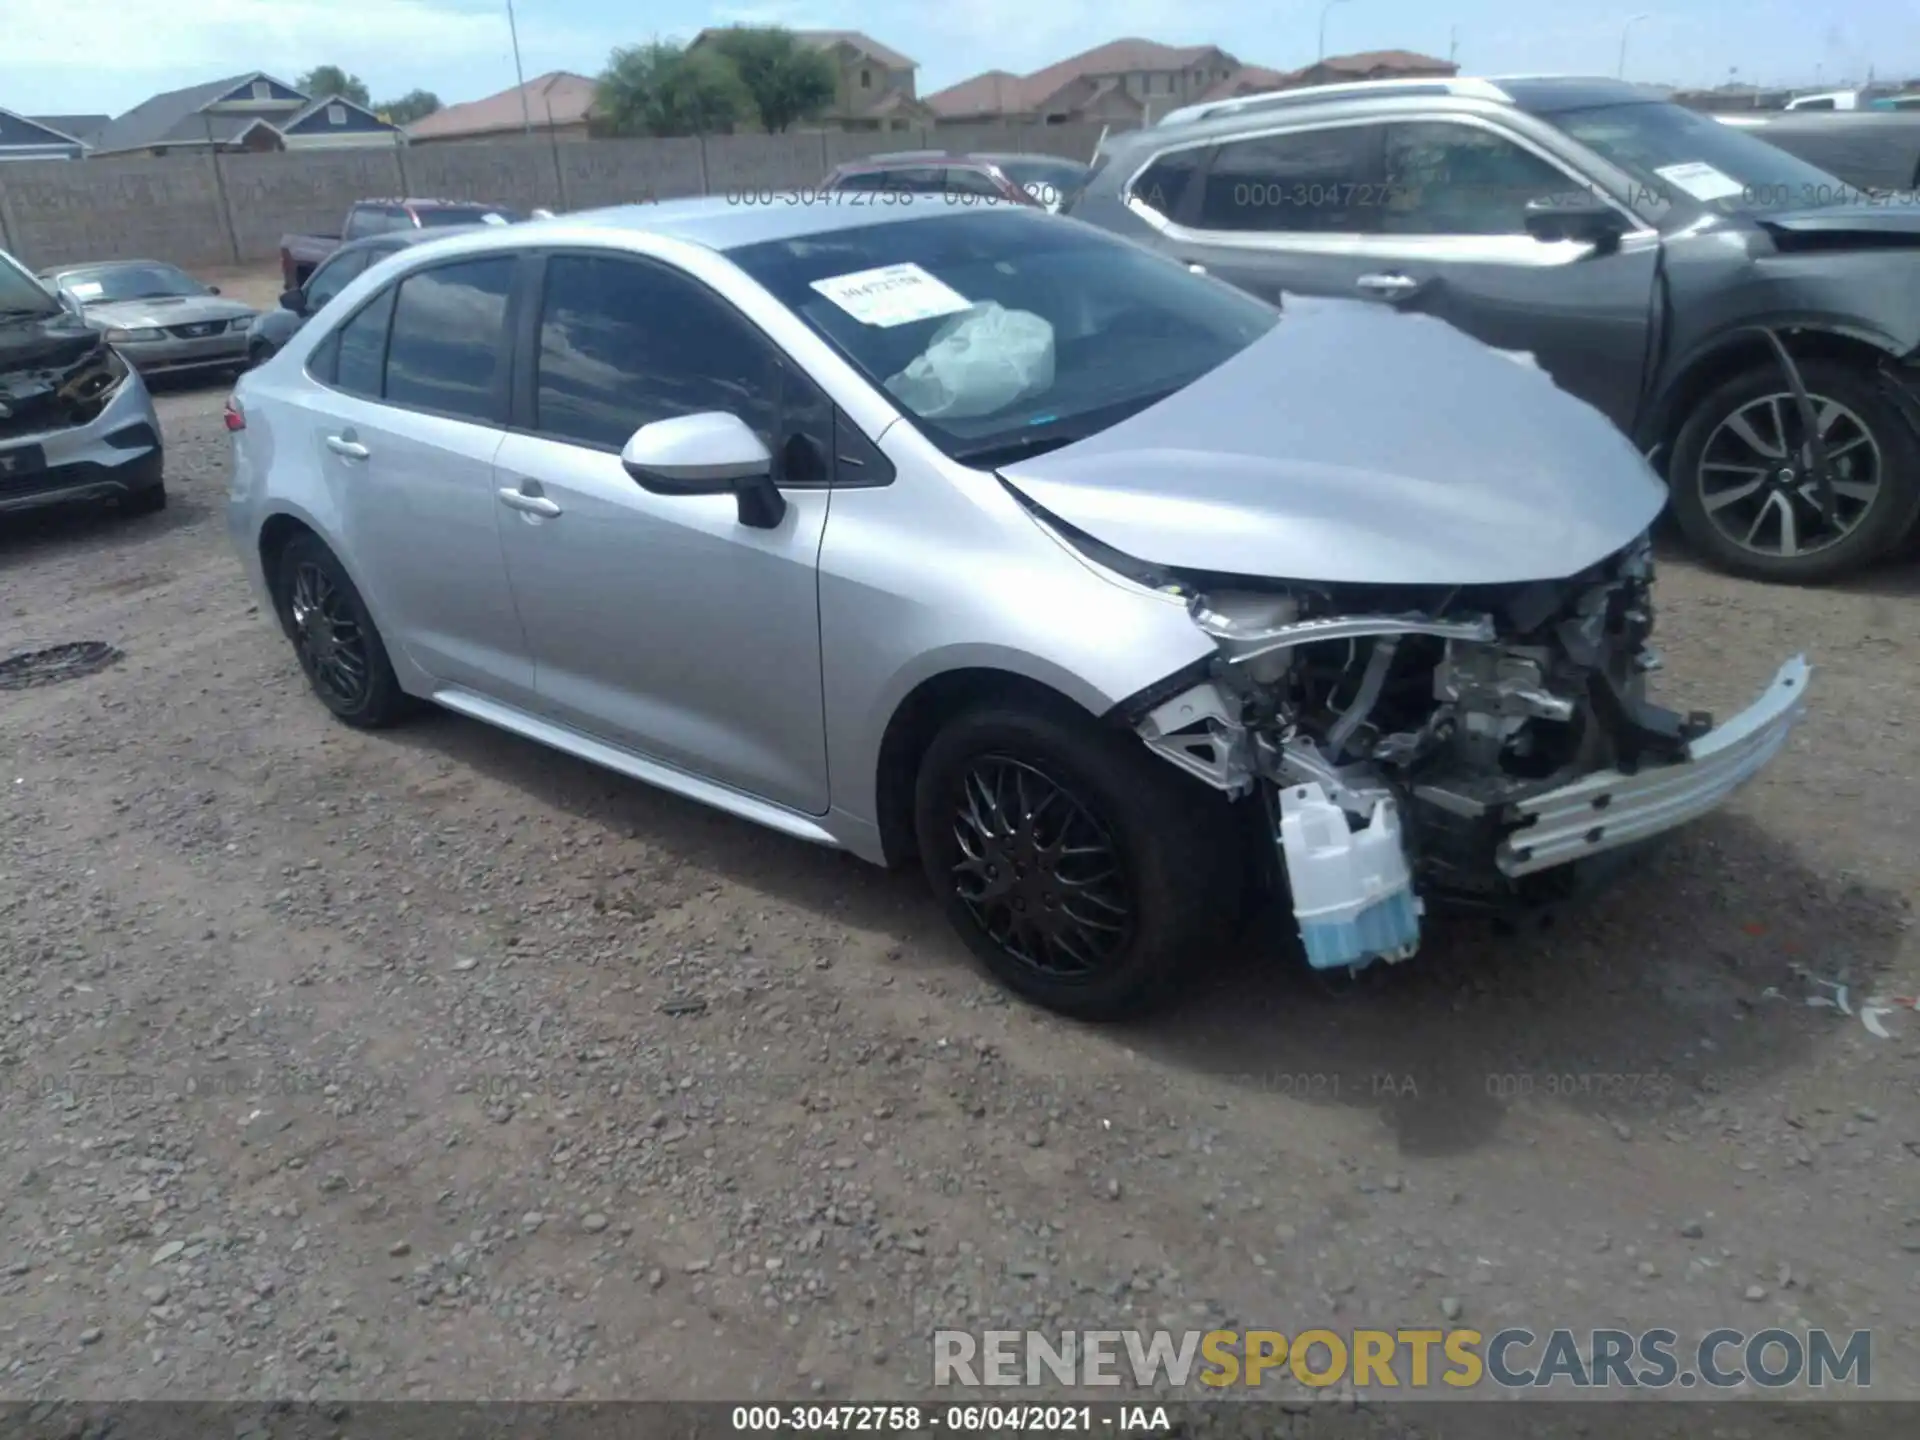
(981, 538)
(161, 319)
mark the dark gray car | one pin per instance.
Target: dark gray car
(1749, 320)
(273, 328)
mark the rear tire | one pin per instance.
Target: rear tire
(1707, 469)
(1088, 875)
(335, 639)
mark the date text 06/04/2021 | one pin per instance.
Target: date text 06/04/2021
(953, 1419)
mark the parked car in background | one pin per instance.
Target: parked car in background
(981, 537)
(300, 255)
(163, 320)
(76, 422)
(1828, 100)
(1732, 308)
(273, 328)
(1043, 180)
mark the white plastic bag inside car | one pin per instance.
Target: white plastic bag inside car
(978, 362)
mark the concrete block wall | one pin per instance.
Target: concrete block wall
(206, 214)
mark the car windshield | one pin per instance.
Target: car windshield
(21, 294)
(1046, 180)
(107, 284)
(1004, 333)
(443, 216)
(1675, 152)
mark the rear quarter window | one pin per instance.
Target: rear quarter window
(1162, 187)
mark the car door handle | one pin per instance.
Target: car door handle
(531, 504)
(341, 445)
(1387, 287)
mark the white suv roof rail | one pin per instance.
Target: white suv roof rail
(1470, 88)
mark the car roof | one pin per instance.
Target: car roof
(715, 222)
(1539, 94)
(1006, 157)
(416, 203)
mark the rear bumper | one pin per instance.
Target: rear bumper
(1607, 810)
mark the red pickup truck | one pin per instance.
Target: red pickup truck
(300, 255)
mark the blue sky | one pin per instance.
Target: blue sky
(125, 50)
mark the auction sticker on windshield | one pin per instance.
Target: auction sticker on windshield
(85, 289)
(892, 295)
(1700, 180)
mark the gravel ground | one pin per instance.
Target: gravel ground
(432, 1064)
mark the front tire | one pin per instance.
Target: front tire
(1739, 488)
(1088, 876)
(335, 639)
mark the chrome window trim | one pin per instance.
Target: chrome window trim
(1490, 249)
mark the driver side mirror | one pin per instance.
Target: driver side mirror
(713, 453)
(294, 300)
(1577, 216)
(213, 289)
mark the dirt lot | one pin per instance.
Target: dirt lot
(433, 1064)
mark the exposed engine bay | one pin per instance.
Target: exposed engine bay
(1464, 745)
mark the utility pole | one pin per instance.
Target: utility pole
(1324, 9)
(1632, 20)
(1453, 43)
(526, 106)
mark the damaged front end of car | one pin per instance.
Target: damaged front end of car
(1472, 745)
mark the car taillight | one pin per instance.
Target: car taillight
(236, 418)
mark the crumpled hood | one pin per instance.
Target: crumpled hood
(1353, 443)
(176, 310)
(30, 344)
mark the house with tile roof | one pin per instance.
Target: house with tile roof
(1135, 82)
(250, 112)
(1375, 65)
(1123, 82)
(876, 90)
(558, 104)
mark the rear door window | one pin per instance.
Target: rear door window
(1325, 180)
(1162, 187)
(450, 339)
(353, 357)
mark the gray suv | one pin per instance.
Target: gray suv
(1750, 321)
(76, 423)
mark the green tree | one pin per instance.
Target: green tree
(788, 79)
(662, 88)
(323, 82)
(412, 106)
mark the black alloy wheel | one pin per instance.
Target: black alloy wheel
(1085, 873)
(334, 637)
(1038, 872)
(328, 638)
